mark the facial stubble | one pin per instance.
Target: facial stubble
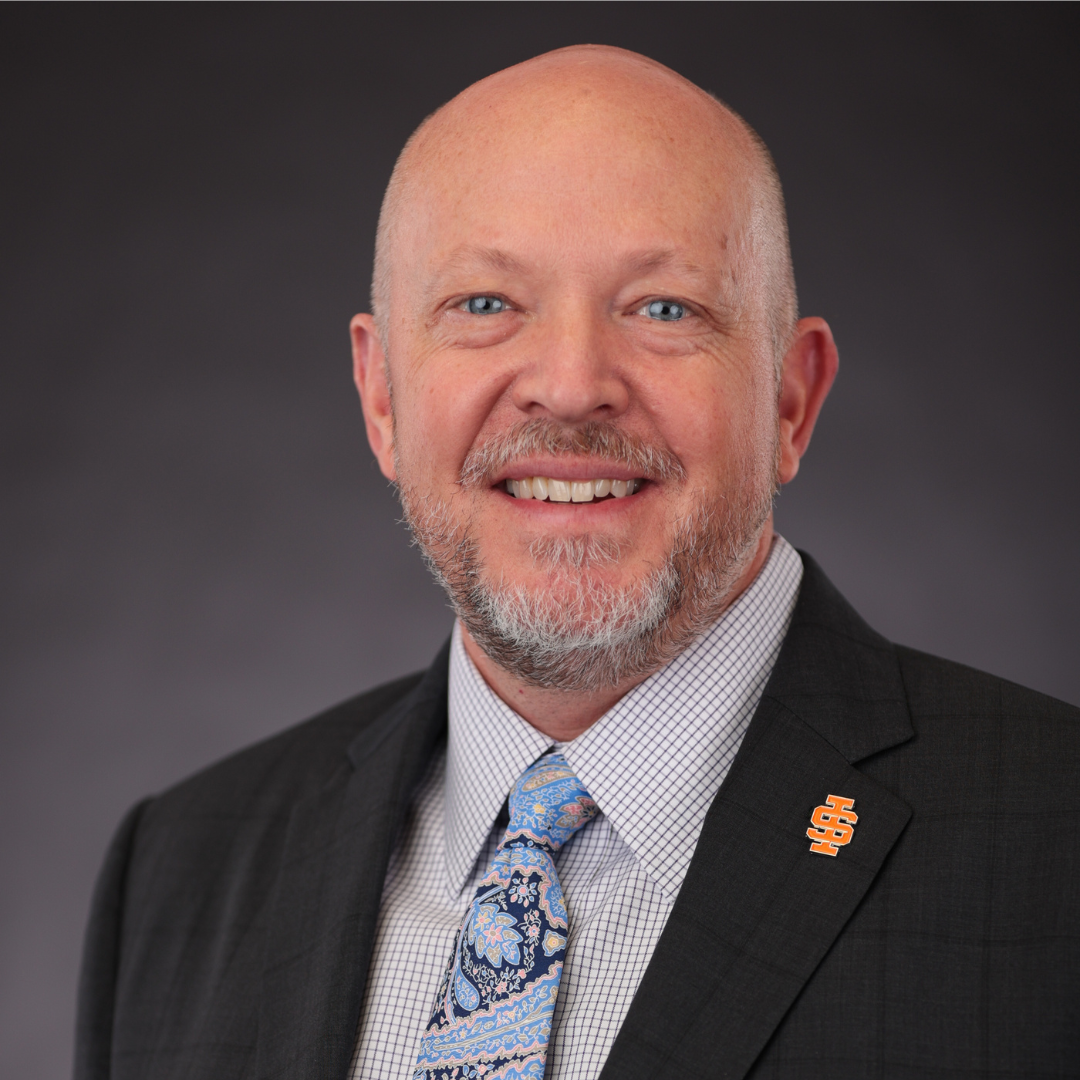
(578, 631)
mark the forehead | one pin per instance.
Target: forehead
(598, 172)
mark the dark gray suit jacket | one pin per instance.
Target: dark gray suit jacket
(232, 925)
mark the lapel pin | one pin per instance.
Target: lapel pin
(834, 825)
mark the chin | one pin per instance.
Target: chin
(588, 553)
(575, 596)
(584, 572)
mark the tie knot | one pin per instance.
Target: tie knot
(548, 804)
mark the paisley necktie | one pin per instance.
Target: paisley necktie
(492, 1017)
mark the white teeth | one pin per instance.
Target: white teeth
(579, 491)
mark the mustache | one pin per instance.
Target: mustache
(598, 439)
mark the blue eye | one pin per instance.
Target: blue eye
(484, 305)
(666, 310)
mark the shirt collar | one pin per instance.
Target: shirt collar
(654, 762)
(489, 747)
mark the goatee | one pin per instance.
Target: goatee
(581, 633)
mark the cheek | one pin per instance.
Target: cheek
(441, 407)
(715, 419)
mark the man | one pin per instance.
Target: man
(786, 846)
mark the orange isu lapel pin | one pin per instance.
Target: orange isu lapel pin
(834, 825)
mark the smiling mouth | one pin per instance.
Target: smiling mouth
(579, 491)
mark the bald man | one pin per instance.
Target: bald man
(664, 805)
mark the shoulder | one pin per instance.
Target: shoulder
(939, 689)
(834, 650)
(271, 774)
(213, 842)
(950, 733)
(986, 747)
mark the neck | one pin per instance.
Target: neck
(563, 715)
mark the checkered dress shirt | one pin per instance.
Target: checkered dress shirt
(653, 763)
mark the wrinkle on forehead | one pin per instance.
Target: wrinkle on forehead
(633, 263)
(474, 255)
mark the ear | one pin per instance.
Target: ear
(369, 374)
(809, 369)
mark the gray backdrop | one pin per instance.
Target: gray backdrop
(197, 549)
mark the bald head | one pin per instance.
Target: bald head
(580, 115)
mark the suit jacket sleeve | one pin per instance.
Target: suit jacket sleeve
(101, 956)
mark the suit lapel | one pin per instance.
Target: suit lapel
(333, 865)
(758, 911)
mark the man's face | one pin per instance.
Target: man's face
(573, 301)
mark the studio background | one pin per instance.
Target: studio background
(197, 549)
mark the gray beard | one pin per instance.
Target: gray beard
(584, 634)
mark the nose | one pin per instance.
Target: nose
(573, 374)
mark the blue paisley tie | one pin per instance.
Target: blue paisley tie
(493, 1012)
